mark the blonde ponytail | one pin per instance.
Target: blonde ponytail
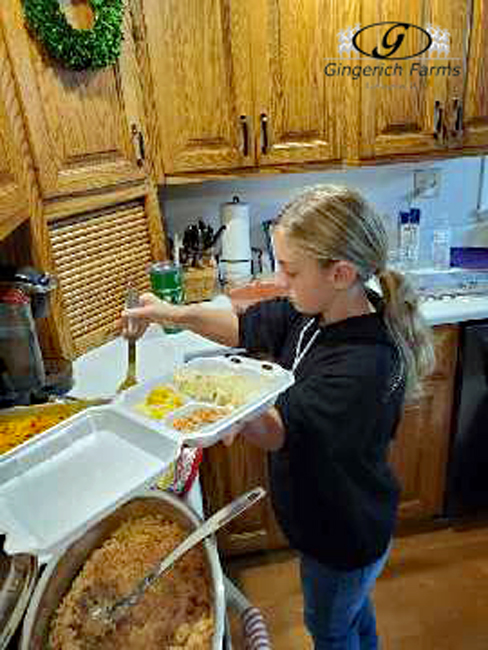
(407, 327)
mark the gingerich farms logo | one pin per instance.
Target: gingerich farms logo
(398, 50)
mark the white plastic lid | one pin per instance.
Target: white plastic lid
(58, 484)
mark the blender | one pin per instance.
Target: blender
(24, 296)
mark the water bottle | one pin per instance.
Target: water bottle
(414, 237)
(441, 244)
(404, 237)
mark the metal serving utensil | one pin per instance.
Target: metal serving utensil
(109, 614)
(131, 300)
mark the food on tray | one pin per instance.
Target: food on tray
(225, 389)
(15, 430)
(160, 401)
(175, 613)
(198, 418)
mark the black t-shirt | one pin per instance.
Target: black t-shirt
(332, 489)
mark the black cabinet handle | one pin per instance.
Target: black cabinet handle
(458, 117)
(245, 135)
(141, 146)
(438, 120)
(264, 133)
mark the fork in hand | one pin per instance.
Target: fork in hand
(131, 300)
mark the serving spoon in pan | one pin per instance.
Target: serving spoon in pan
(111, 613)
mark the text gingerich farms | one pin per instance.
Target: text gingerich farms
(334, 69)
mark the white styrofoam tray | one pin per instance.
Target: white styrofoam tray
(56, 486)
(277, 379)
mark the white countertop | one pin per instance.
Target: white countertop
(455, 310)
(98, 372)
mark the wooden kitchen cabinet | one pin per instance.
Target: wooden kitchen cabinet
(469, 103)
(96, 251)
(85, 128)
(296, 106)
(13, 197)
(95, 222)
(199, 63)
(420, 451)
(241, 84)
(226, 473)
(418, 455)
(409, 112)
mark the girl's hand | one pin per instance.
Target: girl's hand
(151, 310)
(232, 434)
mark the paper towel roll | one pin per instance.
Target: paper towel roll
(236, 240)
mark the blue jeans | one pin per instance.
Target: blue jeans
(338, 610)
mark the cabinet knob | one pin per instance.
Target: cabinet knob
(264, 132)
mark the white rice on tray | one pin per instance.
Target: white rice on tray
(175, 613)
(223, 389)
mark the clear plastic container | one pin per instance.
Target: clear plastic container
(441, 244)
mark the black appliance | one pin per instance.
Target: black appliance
(24, 297)
(467, 480)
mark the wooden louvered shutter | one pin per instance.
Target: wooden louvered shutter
(96, 254)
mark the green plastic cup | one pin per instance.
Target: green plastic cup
(167, 283)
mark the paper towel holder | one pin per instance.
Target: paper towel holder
(235, 261)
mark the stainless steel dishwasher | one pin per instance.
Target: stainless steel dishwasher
(467, 478)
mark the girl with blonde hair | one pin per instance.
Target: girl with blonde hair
(355, 355)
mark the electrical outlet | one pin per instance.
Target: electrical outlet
(426, 183)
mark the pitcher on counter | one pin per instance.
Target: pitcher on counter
(355, 354)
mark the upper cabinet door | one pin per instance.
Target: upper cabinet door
(13, 198)
(198, 51)
(84, 126)
(295, 103)
(469, 121)
(403, 100)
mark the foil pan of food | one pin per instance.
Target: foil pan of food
(21, 424)
(185, 609)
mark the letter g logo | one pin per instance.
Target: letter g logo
(391, 40)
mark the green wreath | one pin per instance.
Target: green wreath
(79, 49)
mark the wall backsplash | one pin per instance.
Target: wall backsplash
(389, 187)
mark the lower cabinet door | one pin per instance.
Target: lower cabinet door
(227, 473)
(419, 452)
